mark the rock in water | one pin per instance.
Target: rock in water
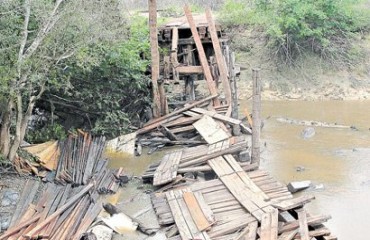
(298, 186)
(308, 132)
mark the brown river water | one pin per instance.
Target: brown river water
(337, 161)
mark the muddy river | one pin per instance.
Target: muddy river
(337, 161)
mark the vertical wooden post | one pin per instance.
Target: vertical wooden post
(233, 85)
(219, 59)
(202, 55)
(155, 56)
(256, 115)
(189, 81)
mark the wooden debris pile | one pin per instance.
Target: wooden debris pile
(79, 156)
(62, 212)
(238, 204)
(191, 125)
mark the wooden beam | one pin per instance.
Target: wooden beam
(303, 226)
(156, 122)
(202, 55)
(222, 68)
(190, 70)
(155, 56)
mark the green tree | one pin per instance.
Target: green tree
(37, 37)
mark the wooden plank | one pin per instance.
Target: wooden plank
(293, 203)
(210, 130)
(167, 169)
(28, 193)
(249, 232)
(313, 220)
(235, 186)
(196, 234)
(222, 68)
(303, 226)
(202, 55)
(288, 235)
(158, 121)
(207, 211)
(230, 226)
(196, 212)
(177, 215)
(190, 69)
(217, 116)
(266, 226)
(220, 167)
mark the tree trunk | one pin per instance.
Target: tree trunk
(5, 129)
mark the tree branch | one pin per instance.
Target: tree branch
(44, 31)
(27, 7)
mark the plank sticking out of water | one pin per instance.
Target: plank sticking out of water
(167, 169)
(303, 226)
(124, 143)
(210, 130)
(293, 203)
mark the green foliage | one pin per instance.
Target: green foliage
(296, 27)
(235, 13)
(49, 132)
(110, 90)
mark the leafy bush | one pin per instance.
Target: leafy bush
(49, 132)
(295, 27)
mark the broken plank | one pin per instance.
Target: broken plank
(217, 116)
(167, 169)
(210, 130)
(293, 203)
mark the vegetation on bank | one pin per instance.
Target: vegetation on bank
(294, 28)
(68, 64)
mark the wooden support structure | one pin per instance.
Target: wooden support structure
(202, 56)
(157, 104)
(256, 115)
(222, 68)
